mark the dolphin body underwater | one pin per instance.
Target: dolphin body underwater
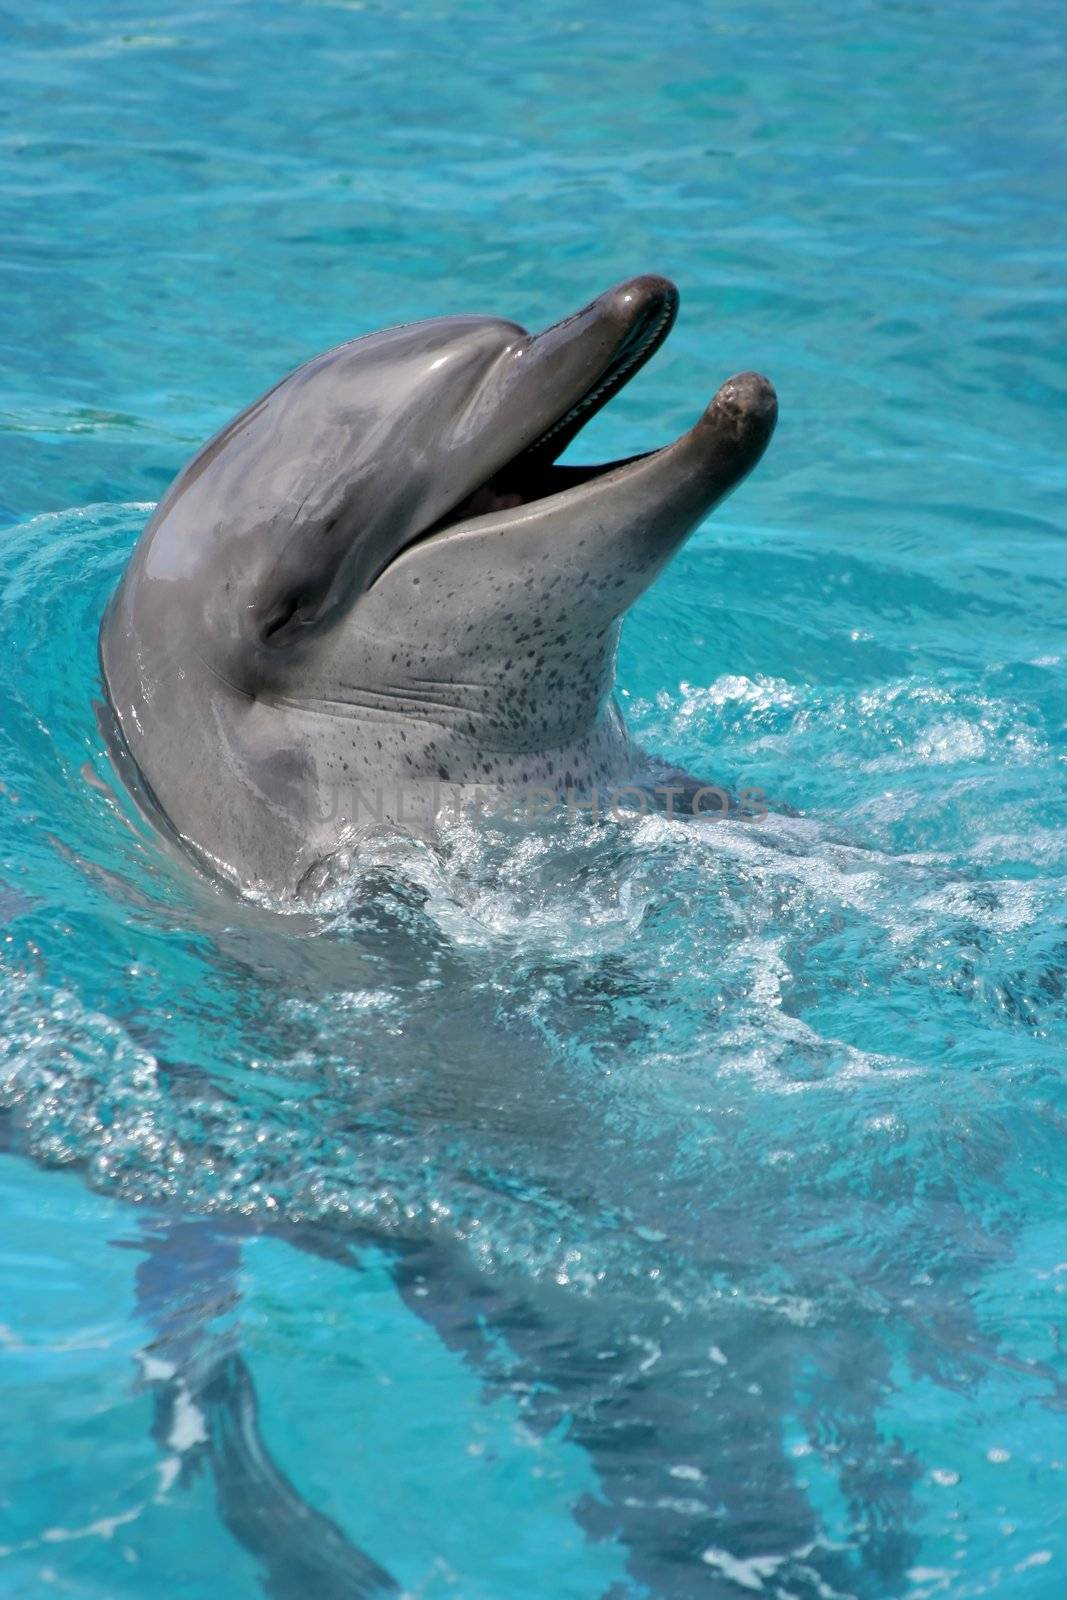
(376, 582)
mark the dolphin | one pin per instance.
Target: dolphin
(378, 580)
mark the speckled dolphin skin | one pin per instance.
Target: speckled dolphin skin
(375, 581)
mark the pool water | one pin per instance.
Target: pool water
(639, 1209)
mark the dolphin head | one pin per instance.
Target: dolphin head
(388, 530)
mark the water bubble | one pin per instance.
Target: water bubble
(945, 1477)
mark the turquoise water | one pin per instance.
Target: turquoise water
(637, 1210)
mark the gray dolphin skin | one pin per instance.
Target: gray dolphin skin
(376, 581)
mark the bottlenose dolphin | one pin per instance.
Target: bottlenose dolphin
(376, 580)
(375, 584)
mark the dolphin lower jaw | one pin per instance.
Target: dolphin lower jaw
(634, 514)
(670, 490)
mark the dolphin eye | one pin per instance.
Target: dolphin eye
(300, 607)
(280, 619)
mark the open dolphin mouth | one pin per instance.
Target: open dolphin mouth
(532, 474)
(586, 360)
